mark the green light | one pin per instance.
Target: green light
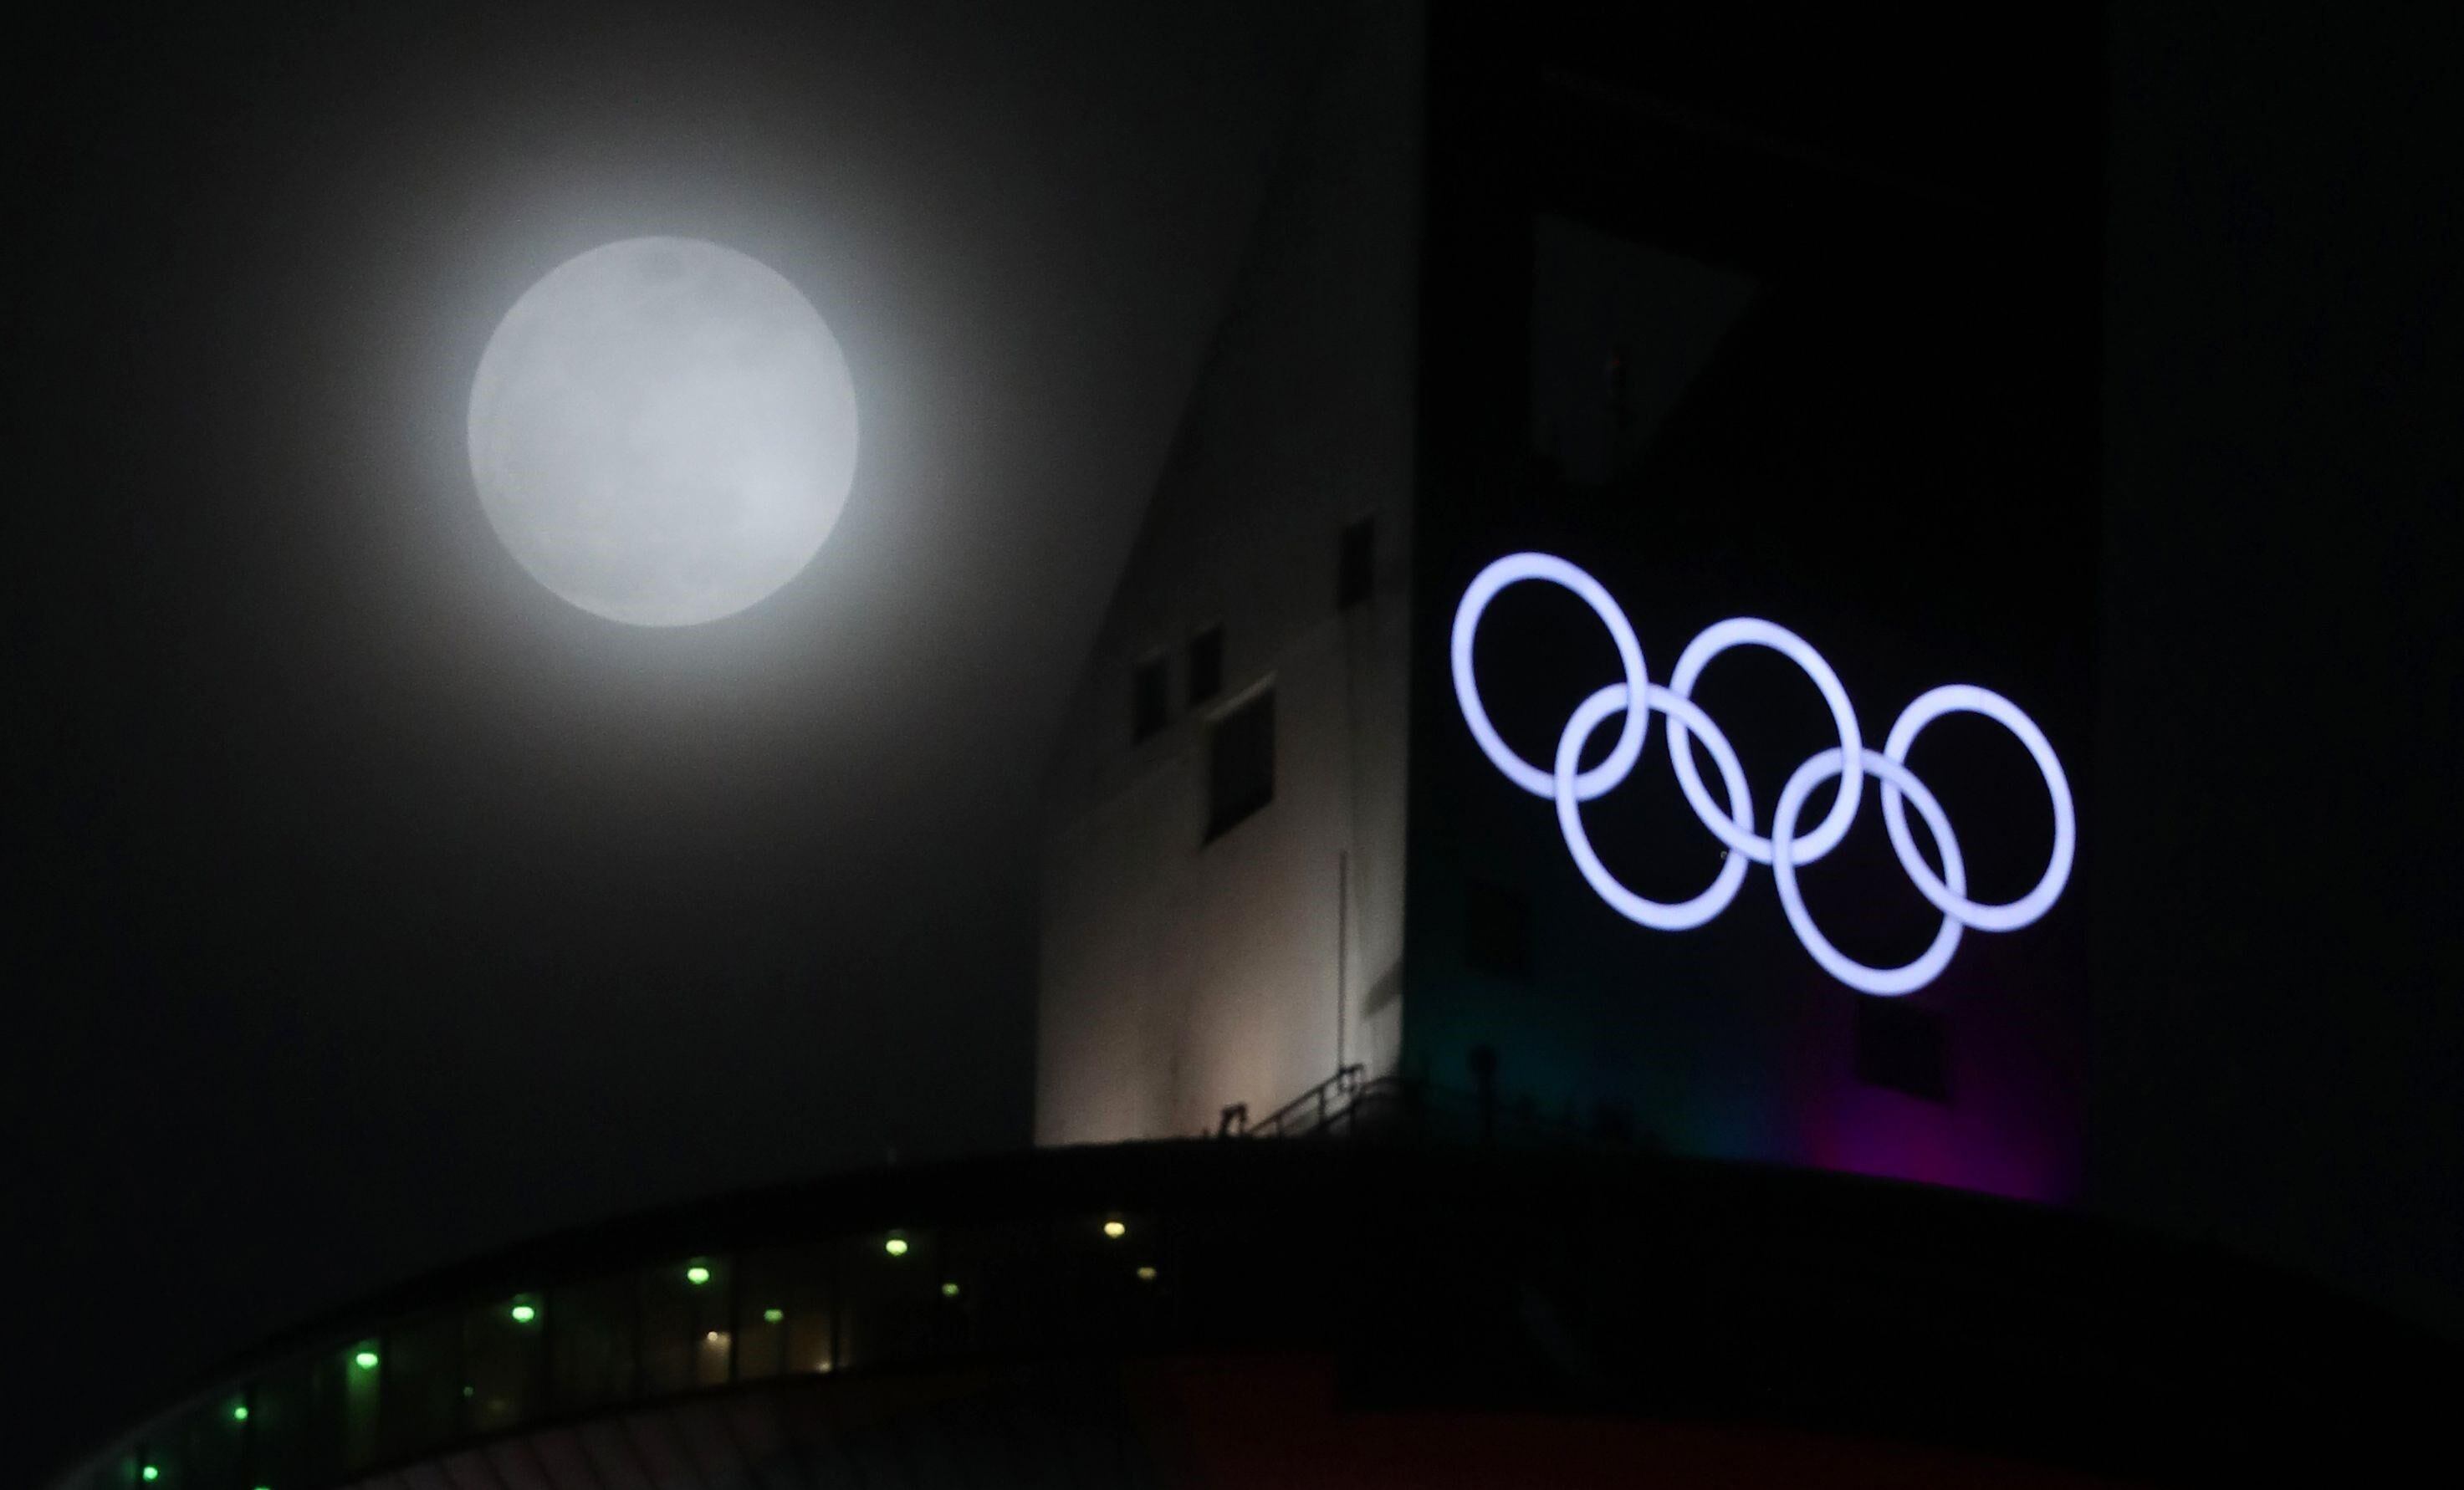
(949, 1291)
(523, 1314)
(151, 1472)
(772, 1316)
(696, 1275)
(365, 1360)
(239, 1413)
(895, 1247)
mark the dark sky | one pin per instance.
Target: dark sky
(378, 905)
(375, 907)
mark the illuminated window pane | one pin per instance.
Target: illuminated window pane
(282, 1444)
(713, 1358)
(892, 1303)
(591, 1347)
(504, 1363)
(362, 1401)
(205, 1448)
(423, 1386)
(1080, 1287)
(812, 1309)
(678, 1317)
(783, 1313)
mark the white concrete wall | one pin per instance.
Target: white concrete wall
(1179, 977)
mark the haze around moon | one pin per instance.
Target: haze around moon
(663, 431)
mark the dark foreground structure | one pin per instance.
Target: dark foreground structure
(1747, 320)
(1381, 1297)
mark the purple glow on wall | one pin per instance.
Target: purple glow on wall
(2011, 1130)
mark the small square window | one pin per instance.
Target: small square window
(1355, 570)
(1206, 664)
(1240, 764)
(1497, 930)
(1900, 1047)
(1149, 698)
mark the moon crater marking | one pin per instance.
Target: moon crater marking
(663, 431)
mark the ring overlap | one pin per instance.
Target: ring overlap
(1782, 849)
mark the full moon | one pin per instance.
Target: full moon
(663, 431)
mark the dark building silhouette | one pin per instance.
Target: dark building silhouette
(1749, 309)
(1736, 330)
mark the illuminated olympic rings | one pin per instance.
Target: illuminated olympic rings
(1781, 848)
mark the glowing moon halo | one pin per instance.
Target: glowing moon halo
(662, 432)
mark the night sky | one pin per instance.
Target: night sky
(378, 905)
(374, 906)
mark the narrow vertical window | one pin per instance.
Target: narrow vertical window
(1239, 763)
(1206, 664)
(1149, 698)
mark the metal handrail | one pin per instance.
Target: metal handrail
(1322, 1100)
(1337, 1104)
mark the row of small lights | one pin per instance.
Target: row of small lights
(895, 1244)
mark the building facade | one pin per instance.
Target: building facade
(1732, 340)
(1223, 870)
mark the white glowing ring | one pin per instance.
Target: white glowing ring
(1884, 982)
(1966, 697)
(1556, 571)
(1685, 915)
(1741, 838)
(1783, 851)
